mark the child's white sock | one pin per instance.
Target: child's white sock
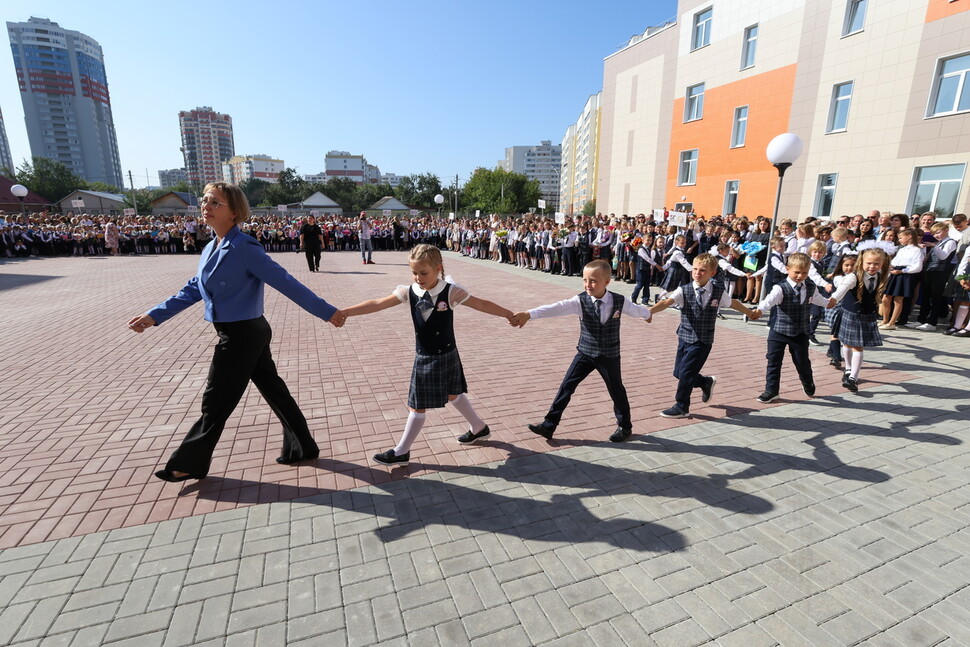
(961, 313)
(847, 357)
(411, 431)
(465, 408)
(856, 364)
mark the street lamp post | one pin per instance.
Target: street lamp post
(782, 152)
(20, 192)
(439, 200)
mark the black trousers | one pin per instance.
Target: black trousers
(934, 307)
(797, 346)
(583, 365)
(688, 363)
(242, 354)
(313, 257)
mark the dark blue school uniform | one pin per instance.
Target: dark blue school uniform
(695, 338)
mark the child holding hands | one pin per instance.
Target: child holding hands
(437, 377)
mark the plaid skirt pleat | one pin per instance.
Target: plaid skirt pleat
(833, 317)
(859, 330)
(434, 378)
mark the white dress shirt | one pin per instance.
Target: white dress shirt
(574, 307)
(777, 294)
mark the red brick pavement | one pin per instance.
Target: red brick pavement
(90, 410)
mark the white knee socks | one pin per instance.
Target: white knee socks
(847, 357)
(465, 408)
(411, 431)
(856, 364)
(960, 315)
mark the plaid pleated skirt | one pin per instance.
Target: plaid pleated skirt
(833, 317)
(434, 378)
(859, 330)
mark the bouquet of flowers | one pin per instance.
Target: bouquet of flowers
(636, 243)
(563, 233)
(626, 237)
(502, 234)
(751, 250)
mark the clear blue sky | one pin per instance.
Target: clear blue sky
(422, 86)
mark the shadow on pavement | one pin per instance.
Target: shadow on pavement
(14, 281)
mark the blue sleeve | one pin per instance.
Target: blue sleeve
(270, 272)
(175, 304)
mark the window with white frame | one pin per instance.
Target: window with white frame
(839, 109)
(749, 47)
(825, 195)
(951, 93)
(731, 196)
(687, 173)
(740, 129)
(936, 188)
(855, 16)
(702, 29)
(694, 102)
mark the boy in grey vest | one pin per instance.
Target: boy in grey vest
(598, 349)
(793, 299)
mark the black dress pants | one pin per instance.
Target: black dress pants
(242, 354)
(582, 366)
(313, 257)
(688, 363)
(797, 346)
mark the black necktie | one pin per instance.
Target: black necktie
(700, 296)
(798, 292)
(596, 307)
(871, 284)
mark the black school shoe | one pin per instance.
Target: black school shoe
(767, 397)
(168, 475)
(675, 411)
(620, 435)
(469, 437)
(284, 460)
(390, 458)
(850, 383)
(808, 388)
(707, 392)
(542, 430)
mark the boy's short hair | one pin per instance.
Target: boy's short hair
(599, 265)
(777, 241)
(817, 246)
(724, 247)
(798, 259)
(940, 226)
(706, 259)
(840, 231)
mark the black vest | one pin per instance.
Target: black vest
(792, 317)
(772, 276)
(436, 335)
(597, 339)
(865, 306)
(934, 264)
(696, 323)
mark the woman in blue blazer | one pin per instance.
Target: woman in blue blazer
(229, 282)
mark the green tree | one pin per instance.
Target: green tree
(143, 200)
(342, 191)
(288, 189)
(499, 191)
(255, 190)
(368, 194)
(103, 188)
(589, 209)
(49, 178)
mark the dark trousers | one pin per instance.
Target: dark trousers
(817, 313)
(242, 354)
(688, 363)
(570, 261)
(797, 346)
(934, 306)
(643, 283)
(583, 365)
(312, 257)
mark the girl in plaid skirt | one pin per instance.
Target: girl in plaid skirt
(437, 377)
(833, 316)
(858, 328)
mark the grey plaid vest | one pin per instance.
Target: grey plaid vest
(934, 264)
(596, 339)
(793, 317)
(696, 323)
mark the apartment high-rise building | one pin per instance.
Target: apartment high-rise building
(6, 159)
(876, 91)
(67, 108)
(171, 177)
(540, 163)
(352, 167)
(577, 181)
(207, 142)
(239, 168)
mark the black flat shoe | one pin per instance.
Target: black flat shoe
(620, 435)
(282, 460)
(541, 430)
(167, 475)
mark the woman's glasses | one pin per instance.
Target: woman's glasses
(207, 201)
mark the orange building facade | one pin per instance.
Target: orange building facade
(878, 92)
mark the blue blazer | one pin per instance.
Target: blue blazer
(231, 286)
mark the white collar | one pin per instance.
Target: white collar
(698, 286)
(435, 291)
(794, 284)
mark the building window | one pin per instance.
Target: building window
(749, 47)
(702, 29)
(936, 188)
(950, 92)
(731, 196)
(740, 129)
(855, 16)
(839, 110)
(694, 104)
(688, 168)
(825, 195)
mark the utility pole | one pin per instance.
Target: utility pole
(456, 195)
(134, 203)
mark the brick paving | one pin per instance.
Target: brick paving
(837, 520)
